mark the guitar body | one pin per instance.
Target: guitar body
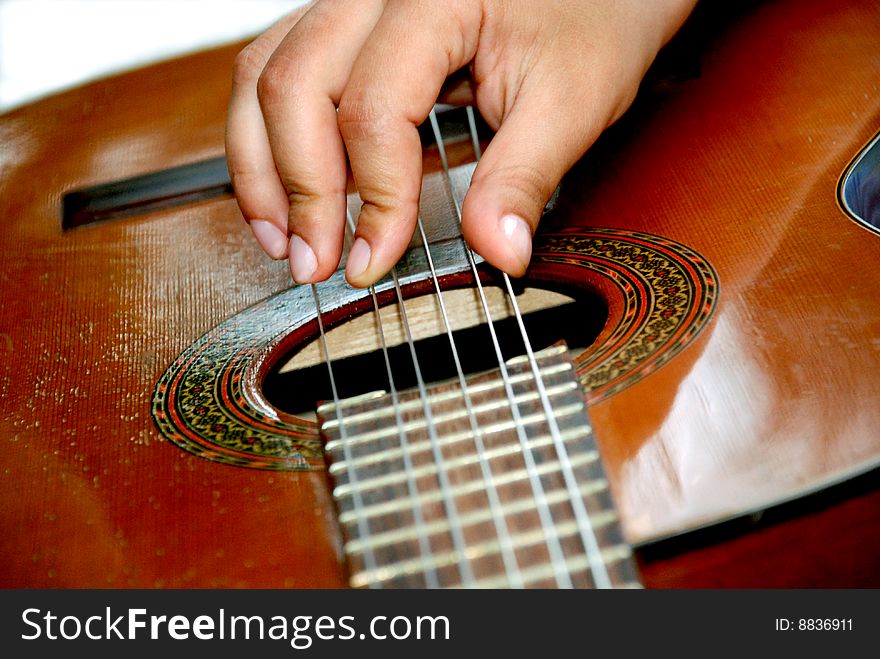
(738, 372)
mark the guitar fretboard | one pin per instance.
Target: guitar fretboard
(475, 486)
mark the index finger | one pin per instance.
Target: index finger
(393, 86)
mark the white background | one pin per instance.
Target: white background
(49, 45)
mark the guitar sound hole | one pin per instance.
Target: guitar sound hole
(301, 382)
(860, 186)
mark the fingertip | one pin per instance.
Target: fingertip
(517, 240)
(315, 248)
(499, 234)
(358, 264)
(270, 238)
(303, 262)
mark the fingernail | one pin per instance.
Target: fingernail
(302, 260)
(358, 259)
(519, 237)
(271, 238)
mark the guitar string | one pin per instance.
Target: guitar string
(363, 530)
(431, 579)
(568, 474)
(508, 553)
(464, 566)
(363, 526)
(598, 569)
(551, 536)
(472, 126)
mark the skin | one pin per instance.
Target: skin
(341, 80)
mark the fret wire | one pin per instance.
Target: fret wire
(588, 537)
(479, 516)
(464, 567)
(449, 439)
(591, 487)
(608, 556)
(414, 403)
(554, 546)
(508, 556)
(431, 578)
(441, 396)
(362, 525)
(618, 553)
(385, 480)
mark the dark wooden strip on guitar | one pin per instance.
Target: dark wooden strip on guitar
(194, 182)
(167, 188)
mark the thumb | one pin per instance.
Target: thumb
(536, 144)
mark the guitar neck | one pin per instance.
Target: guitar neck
(476, 485)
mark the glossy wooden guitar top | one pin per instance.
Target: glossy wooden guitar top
(737, 156)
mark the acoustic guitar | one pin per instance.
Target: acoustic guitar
(691, 400)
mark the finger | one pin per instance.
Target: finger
(548, 128)
(393, 86)
(298, 93)
(259, 193)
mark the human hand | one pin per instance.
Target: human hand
(549, 77)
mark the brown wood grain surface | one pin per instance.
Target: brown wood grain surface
(739, 160)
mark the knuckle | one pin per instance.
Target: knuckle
(279, 82)
(384, 213)
(241, 177)
(528, 181)
(273, 85)
(380, 205)
(311, 192)
(248, 180)
(249, 64)
(360, 117)
(301, 196)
